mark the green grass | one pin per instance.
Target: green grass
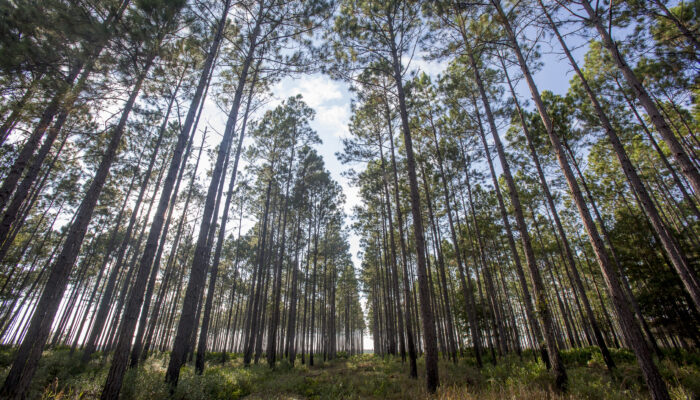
(367, 376)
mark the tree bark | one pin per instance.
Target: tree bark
(404, 259)
(429, 339)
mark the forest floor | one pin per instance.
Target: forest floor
(367, 376)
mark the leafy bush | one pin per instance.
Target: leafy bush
(682, 357)
(578, 357)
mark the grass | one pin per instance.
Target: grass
(366, 376)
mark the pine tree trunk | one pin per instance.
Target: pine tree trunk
(290, 346)
(137, 348)
(529, 306)
(404, 259)
(121, 355)
(543, 310)
(201, 349)
(393, 257)
(568, 253)
(106, 303)
(195, 285)
(429, 339)
(466, 289)
(277, 286)
(312, 331)
(442, 279)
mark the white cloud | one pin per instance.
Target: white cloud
(330, 100)
(333, 119)
(317, 90)
(352, 195)
(430, 67)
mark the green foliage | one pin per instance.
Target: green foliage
(367, 376)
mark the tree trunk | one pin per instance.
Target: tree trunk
(568, 253)
(106, 302)
(394, 274)
(195, 285)
(404, 259)
(277, 286)
(429, 340)
(543, 310)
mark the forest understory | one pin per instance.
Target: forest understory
(364, 376)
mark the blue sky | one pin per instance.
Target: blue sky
(331, 100)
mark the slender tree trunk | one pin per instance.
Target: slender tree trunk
(306, 292)
(467, 289)
(442, 279)
(430, 343)
(201, 349)
(312, 331)
(201, 256)
(106, 303)
(12, 212)
(136, 351)
(131, 314)
(8, 242)
(543, 310)
(392, 241)
(529, 306)
(404, 259)
(290, 346)
(560, 229)
(256, 295)
(277, 286)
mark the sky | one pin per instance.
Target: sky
(331, 101)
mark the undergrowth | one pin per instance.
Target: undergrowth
(61, 376)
